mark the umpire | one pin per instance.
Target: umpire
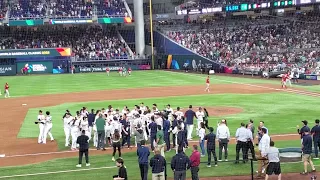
(83, 142)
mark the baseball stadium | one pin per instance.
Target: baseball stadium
(219, 90)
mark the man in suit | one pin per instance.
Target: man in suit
(83, 142)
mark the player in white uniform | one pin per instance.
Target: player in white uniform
(94, 128)
(84, 125)
(41, 121)
(48, 127)
(179, 113)
(199, 115)
(170, 112)
(75, 130)
(67, 120)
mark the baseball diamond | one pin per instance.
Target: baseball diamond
(159, 89)
(233, 98)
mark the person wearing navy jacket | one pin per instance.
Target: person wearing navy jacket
(153, 132)
(189, 115)
(143, 155)
(315, 131)
(211, 146)
(166, 133)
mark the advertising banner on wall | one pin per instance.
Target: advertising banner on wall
(8, 70)
(70, 21)
(44, 67)
(15, 53)
(112, 68)
(29, 22)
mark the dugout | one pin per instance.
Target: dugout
(35, 61)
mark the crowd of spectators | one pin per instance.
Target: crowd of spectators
(241, 43)
(86, 41)
(27, 9)
(3, 9)
(30, 9)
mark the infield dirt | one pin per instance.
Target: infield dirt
(13, 114)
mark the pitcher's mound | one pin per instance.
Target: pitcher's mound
(223, 111)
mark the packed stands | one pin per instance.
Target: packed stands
(3, 9)
(27, 9)
(110, 8)
(234, 44)
(70, 8)
(86, 41)
(30, 9)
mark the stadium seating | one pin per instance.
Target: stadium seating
(86, 42)
(110, 8)
(240, 42)
(3, 9)
(27, 9)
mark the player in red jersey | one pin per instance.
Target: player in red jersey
(108, 71)
(284, 81)
(6, 91)
(129, 71)
(208, 84)
(120, 71)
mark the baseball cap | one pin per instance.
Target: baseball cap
(305, 122)
(317, 121)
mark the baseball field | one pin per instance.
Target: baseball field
(235, 98)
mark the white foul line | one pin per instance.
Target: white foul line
(46, 153)
(313, 94)
(56, 172)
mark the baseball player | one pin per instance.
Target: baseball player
(200, 115)
(48, 127)
(208, 84)
(284, 81)
(108, 71)
(67, 127)
(179, 113)
(120, 71)
(129, 71)
(289, 77)
(75, 130)
(84, 125)
(6, 91)
(124, 71)
(41, 122)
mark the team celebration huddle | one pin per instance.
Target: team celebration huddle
(166, 130)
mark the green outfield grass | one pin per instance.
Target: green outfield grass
(51, 84)
(132, 166)
(281, 112)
